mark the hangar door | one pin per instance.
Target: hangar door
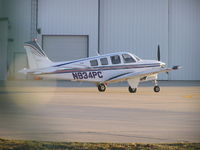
(65, 47)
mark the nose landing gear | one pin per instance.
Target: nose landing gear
(156, 89)
(132, 90)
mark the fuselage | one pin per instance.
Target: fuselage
(101, 68)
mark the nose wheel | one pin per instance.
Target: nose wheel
(132, 90)
(156, 87)
(101, 87)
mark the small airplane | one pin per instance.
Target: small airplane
(101, 70)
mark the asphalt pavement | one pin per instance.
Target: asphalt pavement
(84, 115)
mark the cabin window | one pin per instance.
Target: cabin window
(94, 62)
(127, 58)
(104, 61)
(115, 59)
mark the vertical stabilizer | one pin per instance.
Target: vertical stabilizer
(36, 56)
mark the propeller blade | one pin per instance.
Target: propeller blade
(158, 53)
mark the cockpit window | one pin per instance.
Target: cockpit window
(94, 62)
(128, 58)
(104, 61)
(115, 59)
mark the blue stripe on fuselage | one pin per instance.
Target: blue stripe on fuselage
(102, 68)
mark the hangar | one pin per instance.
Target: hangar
(72, 29)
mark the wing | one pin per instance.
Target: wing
(51, 70)
(131, 75)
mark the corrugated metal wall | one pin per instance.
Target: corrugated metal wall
(19, 17)
(3, 48)
(1, 12)
(66, 47)
(70, 17)
(135, 26)
(138, 26)
(184, 38)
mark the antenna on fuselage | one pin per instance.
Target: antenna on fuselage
(158, 55)
(97, 53)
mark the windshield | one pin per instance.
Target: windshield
(136, 57)
(128, 58)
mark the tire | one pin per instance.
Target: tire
(101, 87)
(156, 89)
(132, 90)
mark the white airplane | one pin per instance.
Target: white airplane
(101, 70)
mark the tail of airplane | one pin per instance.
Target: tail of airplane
(36, 56)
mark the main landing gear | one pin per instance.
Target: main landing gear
(132, 90)
(101, 87)
(156, 87)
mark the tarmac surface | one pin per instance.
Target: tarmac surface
(85, 115)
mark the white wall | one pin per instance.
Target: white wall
(19, 16)
(184, 38)
(3, 48)
(137, 26)
(70, 17)
(1, 15)
(18, 13)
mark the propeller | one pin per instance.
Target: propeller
(158, 53)
(158, 56)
